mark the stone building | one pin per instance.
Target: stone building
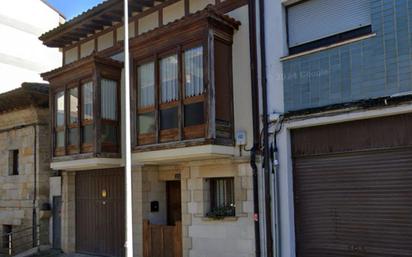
(24, 163)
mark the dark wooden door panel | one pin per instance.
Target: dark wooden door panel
(100, 214)
(174, 202)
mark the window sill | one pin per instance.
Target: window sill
(320, 49)
(225, 219)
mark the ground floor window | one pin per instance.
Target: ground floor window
(222, 197)
(5, 240)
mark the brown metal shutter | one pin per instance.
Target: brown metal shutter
(353, 203)
(100, 221)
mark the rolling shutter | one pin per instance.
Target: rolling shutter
(353, 188)
(316, 19)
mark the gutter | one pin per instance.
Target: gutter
(34, 221)
(256, 123)
(265, 120)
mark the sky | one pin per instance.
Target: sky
(72, 8)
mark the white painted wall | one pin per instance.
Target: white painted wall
(22, 55)
(276, 47)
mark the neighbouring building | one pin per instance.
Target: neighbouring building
(339, 74)
(24, 166)
(22, 55)
(191, 93)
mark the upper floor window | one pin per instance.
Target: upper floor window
(86, 108)
(179, 92)
(183, 83)
(316, 23)
(13, 162)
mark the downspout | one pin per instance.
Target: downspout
(256, 123)
(266, 150)
(34, 221)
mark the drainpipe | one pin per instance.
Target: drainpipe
(256, 123)
(34, 217)
(266, 153)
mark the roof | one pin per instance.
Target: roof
(105, 14)
(29, 94)
(91, 20)
(84, 61)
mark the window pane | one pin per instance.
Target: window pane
(146, 81)
(109, 99)
(74, 105)
(59, 139)
(147, 123)
(60, 109)
(168, 118)
(222, 196)
(193, 72)
(87, 134)
(169, 79)
(194, 114)
(109, 134)
(87, 93)
(74, 136)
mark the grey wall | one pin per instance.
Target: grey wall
(374, 67)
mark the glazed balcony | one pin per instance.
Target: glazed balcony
(85, 109)
(182, 83)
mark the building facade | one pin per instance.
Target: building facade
(339, 84)
(22, 55)
(25, 166)
(190, 83)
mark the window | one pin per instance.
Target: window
(73, 136)
(109, 107)
(222, 197)
(13, 162)
(7, 229)
(77, 110)
(87, 115)
(60, 121)
(172, 103)
(316, 23)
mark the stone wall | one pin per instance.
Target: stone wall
(18, 132)
(201, 236)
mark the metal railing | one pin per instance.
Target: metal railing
(21, 240)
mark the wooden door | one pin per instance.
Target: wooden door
(57, 216)
(100, 212)
(174, 202)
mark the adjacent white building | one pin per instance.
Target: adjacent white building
(22, 55)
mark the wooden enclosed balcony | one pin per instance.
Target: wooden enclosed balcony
(182, 83)
(85, 109)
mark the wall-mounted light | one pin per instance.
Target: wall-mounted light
(104, 193)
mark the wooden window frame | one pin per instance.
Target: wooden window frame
(87, 148)
(59, 151)
(72, 149)
(181, 132)
(151, 137)
(107, 146)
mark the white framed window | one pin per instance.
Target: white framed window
(313, 20)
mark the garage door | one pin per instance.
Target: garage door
(353, 188)
(100, 214)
